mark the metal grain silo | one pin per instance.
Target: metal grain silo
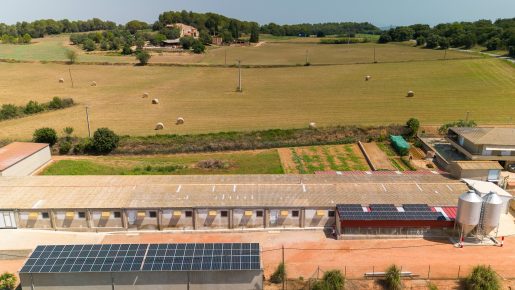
(469, 211)
(492, 209)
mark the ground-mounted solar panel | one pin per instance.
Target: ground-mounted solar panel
(143, 257)
(416, 207)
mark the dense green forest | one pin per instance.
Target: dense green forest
(492, 35)
(320, 29)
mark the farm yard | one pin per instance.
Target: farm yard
(308, 160)
(288, 97)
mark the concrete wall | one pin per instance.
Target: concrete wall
(319, 218)
(34, 220)
(197, 280)
(63, 220)
(205, 220)
(278, 219)
(105, 219)
(28, 165)
(242, 219)
(172, 220)
(142, 220)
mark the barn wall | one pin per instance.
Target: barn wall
(172, 221)
(99, 221)
(206, 221)
(136, 222)
(318, 218)
(26, 221)
(278, 220)
(65, 222)
(241, 220)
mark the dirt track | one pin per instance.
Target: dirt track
(378, 158)
(306, 250)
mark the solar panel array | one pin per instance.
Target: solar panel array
(383, 207)
(384, 215)
(143, 257)
(419, 212)
(349, 207)
(416, 207)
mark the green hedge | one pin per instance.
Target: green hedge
(10, 111)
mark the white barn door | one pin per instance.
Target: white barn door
(7, 220)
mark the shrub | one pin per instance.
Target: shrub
(126, 50)
(414, 125)
(198, 47)
(432, 286)
(332, 280)
(71, 55)
(279, 275)
(68, 131)
(460, 123)
(212, 164)
(393, 278)
(84, 146)
(65, 147)
(483, 278)
(187, 42)
(89, 45)
(8, 111)
(45, 135)
(7, 281)
(143, 57)
(105, 140)
(33, 107)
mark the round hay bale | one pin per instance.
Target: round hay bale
(61, 81)
(180, 121)
(411, 94)
(155, 101)
(145, 95)
(93, 84)
(367, 78)
(312, 125)
(159, 126)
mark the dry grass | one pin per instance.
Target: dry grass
(272, 97)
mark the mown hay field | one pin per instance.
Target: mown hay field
(272, 98)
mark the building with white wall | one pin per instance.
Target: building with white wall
(23, 158)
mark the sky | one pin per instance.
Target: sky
(381, 13)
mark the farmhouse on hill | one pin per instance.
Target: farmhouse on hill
(186, 30)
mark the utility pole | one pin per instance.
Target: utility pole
(70, 71)
(225, 56)
(87, 120)
(467, 117)
(445, 54)
(284, 277)
(375, 55)
(307, 56)
(239, 89)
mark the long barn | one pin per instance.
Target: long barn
(114, 203)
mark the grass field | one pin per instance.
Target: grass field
(308, 160)
(256, 162)
(53, 48)
(272, 98)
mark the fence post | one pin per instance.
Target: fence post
(428, 272)
(459, 268)
(345, 272)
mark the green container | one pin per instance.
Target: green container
(400, 145)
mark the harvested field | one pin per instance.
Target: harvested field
(272, 97)
(307, 160)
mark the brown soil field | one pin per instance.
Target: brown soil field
(378, 158)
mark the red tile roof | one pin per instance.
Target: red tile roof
(16, 152)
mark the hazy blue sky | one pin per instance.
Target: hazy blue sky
(378, 12)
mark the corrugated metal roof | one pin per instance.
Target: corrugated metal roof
(487, 136)
(154, 192)
(17, 151)
(479, 165)
(451, 211)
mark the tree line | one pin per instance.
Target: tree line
(499, 34)
(320, 29)
(40, 28)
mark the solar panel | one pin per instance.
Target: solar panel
(416, 207)
(383, 215)
(383, 207)
(143, 257)
(349, 207)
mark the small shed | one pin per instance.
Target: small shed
(23, 158)
(479, 170)
(400, 144)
